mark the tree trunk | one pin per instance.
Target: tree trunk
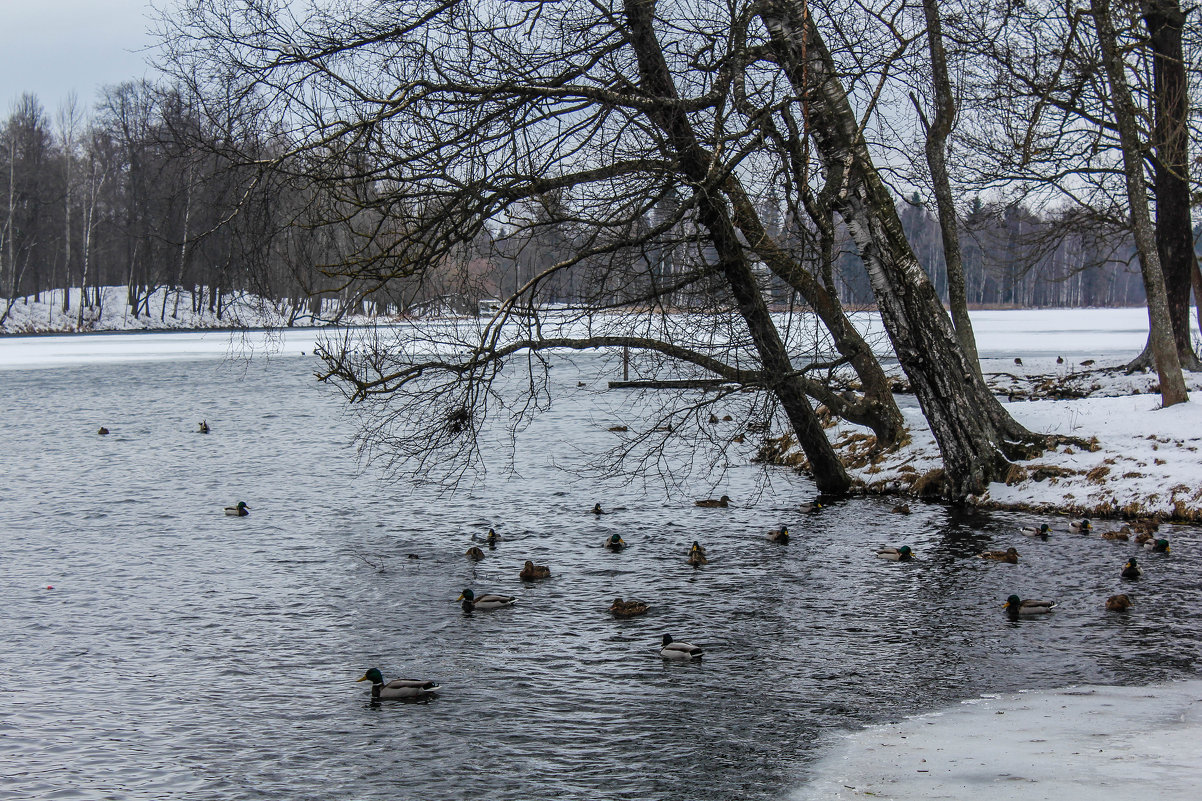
(1170, 162)
(975, 434)
(1164, 347)
(938, 131)
(656, 78)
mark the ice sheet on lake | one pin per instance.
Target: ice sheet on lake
(1080, 743)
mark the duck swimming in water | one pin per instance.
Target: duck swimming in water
(1016, 607)
(780, 536)
(203, 428)
(531, 571)
(1158, 546)
(679, 650)
(397, 688)
(471, 602)
(614, 543)
(1043, 531)
(1081, 526)
(902, 554)
(622, 608)
(241, 510)
(1010, 556)
(474, 553)
(1118, 603)
(1131, 570)
(714, 503)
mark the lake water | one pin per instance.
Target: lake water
(184, 654)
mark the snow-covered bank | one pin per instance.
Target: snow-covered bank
(168, 309)
(1062, 745)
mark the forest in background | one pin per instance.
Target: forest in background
(140, 190)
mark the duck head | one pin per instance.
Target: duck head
(905, 553)
(373, 675)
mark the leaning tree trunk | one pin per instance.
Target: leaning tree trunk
(1164, 347)
(975, 434)
(938, 130)
(714, 216)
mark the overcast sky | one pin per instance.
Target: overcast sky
(50, 47)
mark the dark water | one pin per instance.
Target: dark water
(184, 654)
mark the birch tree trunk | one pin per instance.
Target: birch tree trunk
(938, 129)
(656, 78)
(975, 434)
(1164, 347)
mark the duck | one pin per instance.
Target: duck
(104, 432)
(902, 554)
(474, 553)
(1158, 546)
(491, 539)
(397, 688)
(1029, 607)
(614, 543)
(714, 503)
(697, 557)
(697, 547)
(203, 428)
(780, 536)
(679, 650)
(901, 509)
(597, 510)
(1142, 539)
(532, 571)
(1010, 556)
(1131, 570)
(1118, 603)
(622, 608)
(1080, 526)
(471, 602)
(812, 506)
(241, 510)
(1042, 532)
(1116, 536)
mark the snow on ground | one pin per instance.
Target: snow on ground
(1063, 745)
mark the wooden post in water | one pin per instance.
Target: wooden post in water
(625, 362)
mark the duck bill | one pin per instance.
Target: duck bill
(362, 679)
(460, 598)
(1006, 605)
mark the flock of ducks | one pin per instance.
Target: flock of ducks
(1017, 607)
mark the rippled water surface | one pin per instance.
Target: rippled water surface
(184, 654)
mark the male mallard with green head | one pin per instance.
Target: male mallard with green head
(471, 602)
(1016, 607)
(1081, 526)
(1158, 546)
(1131, 570)
(902, 554)
(614, 542)
(1043, 531)
(241, 510)
(780, 536)
(397, 688)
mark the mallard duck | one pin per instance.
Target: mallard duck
(697, 547)
(902, 554)
(780, 536)
(1143, 539)
(1158, 546)
(1042, 532)
(490, 539)
(104, 432)
(614, 542)
(697, 558)
(1118, 603)
(714, 503)
(679, 650)
(1018, 607)
(597, 510)
(901, 509)
(203, 428)
(1010, 556)
(474, 553)
(397, 688)
(622, 608)
(1131, 570)
(241, 510)
(1080, 526)
(532, 571)
(812, 506)
(471, 602)
(1116, 536)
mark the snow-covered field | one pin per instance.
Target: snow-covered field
(1063, 745)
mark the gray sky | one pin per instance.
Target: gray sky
(50, 47)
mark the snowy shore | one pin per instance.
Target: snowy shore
(1062, 745)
